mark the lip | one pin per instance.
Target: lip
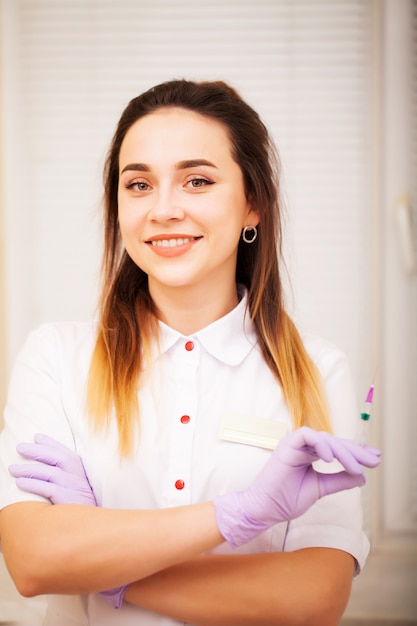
(171, 245)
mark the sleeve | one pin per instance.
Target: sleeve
(34, 405)
(336, 520)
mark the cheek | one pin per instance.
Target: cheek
(129, 219)
(124, 229)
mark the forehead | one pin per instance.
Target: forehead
(178, 133)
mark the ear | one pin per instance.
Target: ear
(252, 218)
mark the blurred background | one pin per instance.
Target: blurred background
(336, 83)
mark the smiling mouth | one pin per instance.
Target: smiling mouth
(172, 243)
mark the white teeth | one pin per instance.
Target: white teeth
(171, 243)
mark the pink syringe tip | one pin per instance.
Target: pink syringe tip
(370, 394)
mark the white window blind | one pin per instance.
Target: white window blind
(70, 66)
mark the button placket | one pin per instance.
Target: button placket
(184, 409)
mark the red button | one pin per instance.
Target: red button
(185, 419)
(189, 346)
(179, 484)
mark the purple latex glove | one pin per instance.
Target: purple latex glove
(58, 475)
(288, 485)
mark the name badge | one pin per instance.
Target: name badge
(252, 431)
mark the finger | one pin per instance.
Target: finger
(29, 470)
(366, 455)
(47, 473)
(312, 442)
(360, 455)
(333, 483)
(359, 450)
(306, 445)
(350, 454)
(345, 456)
(38, 452)
(39, 487)
(57, 494)
(39, 471)
(57, 456)
(373, 450)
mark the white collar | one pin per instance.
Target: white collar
(228, 339)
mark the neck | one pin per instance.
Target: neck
(189, 309)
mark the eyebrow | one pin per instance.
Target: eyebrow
(185, 165)
(181, 165)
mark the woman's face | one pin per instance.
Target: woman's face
(181, 200)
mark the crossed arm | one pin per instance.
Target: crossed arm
(163, 552)
(73, 548)
(309, 586)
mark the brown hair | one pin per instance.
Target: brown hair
(128, 320)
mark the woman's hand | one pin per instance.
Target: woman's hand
(288, 485)
(58, 475)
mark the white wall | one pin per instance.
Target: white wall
(398, 295)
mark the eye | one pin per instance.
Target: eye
(198, 183)
(138, 186)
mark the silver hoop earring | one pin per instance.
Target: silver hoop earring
(252, 231)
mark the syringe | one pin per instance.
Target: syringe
(365, 417)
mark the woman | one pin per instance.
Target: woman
(175, 401)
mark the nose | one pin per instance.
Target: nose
(165, 206)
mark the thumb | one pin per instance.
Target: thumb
(332, 483)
